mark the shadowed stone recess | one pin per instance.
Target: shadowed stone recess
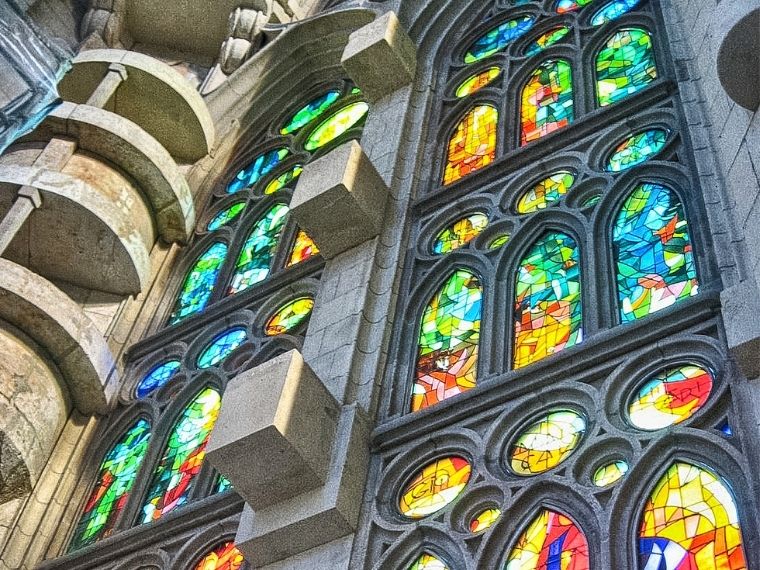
(14, 475)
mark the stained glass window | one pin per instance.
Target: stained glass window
(460, 233)
(564, 6)
(447, 354)
(473, 144)
(613, 11)
(309, 112)
(289, 316)
(547, 192)
(256, 257)
(496, 39)
(592, 201)
(499, 241)
(624, 66)
(611, 473)
(636, 149)
(109, 495)
(223, 485)
(303, 248)
(547, 100)
(434, 486)
(221, 347)
(690, 521)
(337, 124)
(225, 216)
(484, 520)
(727, 429)
(478, 81)
(671, 397)
(199, 283)
(548, 315)
(547, 443)
(224, 557)
(260, 167)
(551, 542)
(183, 456)
(284, 179)
(157, 378)
(428, 562)
(653, 252)
(547, 39)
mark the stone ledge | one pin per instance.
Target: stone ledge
(737, 39)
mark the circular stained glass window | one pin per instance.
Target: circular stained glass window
(478, 81)
(460, 233)
(225, 216)
(157, 377)
(547, 443)
(636, 149)
(221, 347)
(434, 486)
(289, 316)
(484, 520)
(337, 124)
(545, 193)
(611, 473)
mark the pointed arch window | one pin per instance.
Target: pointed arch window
(473, 144)
(255, 260)
(550, 542)
(182, 457)
(547, 100)
(115, 479)
(690, 521)
(653, 252)
(447, 353)
(224, 557)
(199, 282)
(625, 65)
(548, 314)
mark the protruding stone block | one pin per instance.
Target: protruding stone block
(738, 47)
(340, 200)
(743, 333)
(380, 57)
(275, 432)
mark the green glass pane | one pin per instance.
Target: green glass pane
(336, 125)
(289, 316)
(547, 192)
(199, 283)
(624, 66)
(284, 179)
(309, 112)
(637, 149)
(478, 81)
(499, 241)
(547, 39)
(225, 216)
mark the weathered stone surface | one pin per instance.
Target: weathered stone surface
(737, 37)
(340, 200)
(275, 431)
(380, 57)
(742, 333)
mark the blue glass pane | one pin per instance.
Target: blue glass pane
(613, 10)
(157, 378)
(498, 38)
(221, 347)
(260, 167)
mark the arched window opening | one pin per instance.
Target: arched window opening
(496, 39)
(260, 167)
(428, 562)
(550, 542)
(224, 557)
(199, 283)
(547, 101)
(473, 144)
(624, 66)
(157, 378)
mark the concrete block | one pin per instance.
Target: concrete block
(742, 333)
(380, 57)
(340, 200)
(275, 431)
(737, 38)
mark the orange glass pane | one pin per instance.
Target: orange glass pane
(473, 144)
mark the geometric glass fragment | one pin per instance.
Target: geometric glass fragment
(690, 522)
(564, 6)
(225, 216)
(257, 254)
(224, 557)
(221, 347)
(447, 355)
(547, 443)
(303, 248)
(477, 82)
(551, 542)
(434, 486)
(199, 282)
(548, 316)
(260, 167)
(183, 456)
(613, 11)
(653, 252)
(611, 473)
(473, 144)
(289, 317)
(547, 39)
(111, 490)
(636, 149)
(545, 193)
(484, 520)
(309, 112)
(496, 39)
(460, 233)
(499, 241)
(157, 377)
(283, 179)
(337, 124)
(624, 66)
(428, 562)
(670, 397)
(547, 100)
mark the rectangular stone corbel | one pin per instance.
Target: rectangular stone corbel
(739, 303)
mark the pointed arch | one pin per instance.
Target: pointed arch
(551, 540)
(472, 146)
(449, 335)
(255, 260)
(691, 520)
(546, 100)
(226, 556)
(116, 476)
(653, 253)
(548, 316)
(625, 65)
(182, 457)
(199, 282)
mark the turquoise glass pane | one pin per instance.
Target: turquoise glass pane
(309, 112)
(624, 66)
(225, 216)
(613, 11)
(498, 38)
(637, 149)
(157, 378)
(221, 347)
(199, 283)
(260, 167)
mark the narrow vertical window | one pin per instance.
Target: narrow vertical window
(183, 456)
(473, 144)
(447, 355)
(690, 521)
(115, 479)
(548, 314)
(547, 101)
(255, 260)
(624, 66)
(653, 252)
(199, 283)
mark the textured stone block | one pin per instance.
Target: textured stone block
(742, 333)
(380, 57)
(340, 200)
(275, 431)
(737, 40)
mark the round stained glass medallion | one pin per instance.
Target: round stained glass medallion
(610, 473)
(336, 124)
(289, 316)
(434, 486)
(484, 520)
(547, 443)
